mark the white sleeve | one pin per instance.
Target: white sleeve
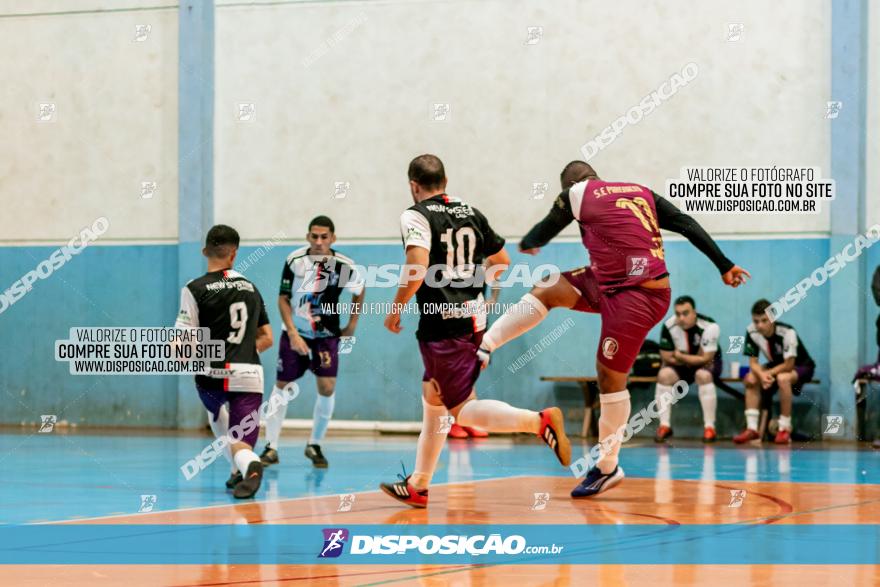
(710, 338)
(188, 316)
(576, 197)
(415, 230)
(789, 344)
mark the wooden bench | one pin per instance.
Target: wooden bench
(590, 389)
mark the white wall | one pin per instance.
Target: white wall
(518, 112)
(115, 126)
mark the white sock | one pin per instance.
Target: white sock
(221, 428)
(431, 442)
(752, 419)
(785, 423)
(275, 421)
(497, 416)
(245, 457)
(615, 408)
(518, 319)
(666, 414)
(709, 401)
(321, 417)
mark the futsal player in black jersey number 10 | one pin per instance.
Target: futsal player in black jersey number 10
(449, 239)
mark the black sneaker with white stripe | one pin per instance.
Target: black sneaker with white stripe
(404, 492)
(314, 454)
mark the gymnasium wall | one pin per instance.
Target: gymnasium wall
(344, 92)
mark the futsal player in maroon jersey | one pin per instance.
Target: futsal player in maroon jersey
(626, 283)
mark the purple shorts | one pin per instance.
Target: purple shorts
(804, 373)
(453, 364)
(584, 281)
(323, 360)
(241, 403)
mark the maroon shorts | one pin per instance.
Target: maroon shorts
(323, 360)
(627, 316)
(241, 403)
(453, 364)
(584, 281)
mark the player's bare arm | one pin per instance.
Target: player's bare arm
(264, 338)
(357, 301)
(671, 218)
(410, 281)
(297, 343)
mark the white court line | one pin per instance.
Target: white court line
(276, 501)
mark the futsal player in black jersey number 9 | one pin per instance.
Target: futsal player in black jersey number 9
(455, 239)
(232, 307)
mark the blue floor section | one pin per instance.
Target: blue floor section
(60, 476)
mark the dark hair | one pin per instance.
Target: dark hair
(760, 307)
(322, 221)
(685, 300)
(575, 172)
(220, 240)
(427, 171)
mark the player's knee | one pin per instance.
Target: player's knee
(326, 387)
(785, 380)
(609, 380)
(666, 376)
(750, 380)
(703, 376)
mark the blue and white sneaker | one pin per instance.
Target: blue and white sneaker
(597, 482)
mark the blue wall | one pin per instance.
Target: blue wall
(137, 286)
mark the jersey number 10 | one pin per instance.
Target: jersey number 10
(459, 254)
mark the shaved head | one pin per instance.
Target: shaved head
(576, 172)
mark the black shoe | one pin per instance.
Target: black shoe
(269, 456)
(248, 486)
(234, 479)
(313, 452)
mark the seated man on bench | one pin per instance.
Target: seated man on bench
(788, 367)
(689, 350)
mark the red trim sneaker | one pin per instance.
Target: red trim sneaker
(663, 432)
(475, 432)
(553, 434)
(404, 492)
(456, 431)
(783, 437)
(747, 435)
(709, 435)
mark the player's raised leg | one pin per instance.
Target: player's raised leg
(575, 289)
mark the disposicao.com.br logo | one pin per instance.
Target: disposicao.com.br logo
(449, 544)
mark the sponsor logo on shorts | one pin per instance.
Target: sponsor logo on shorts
(334, 540)
(609, 347)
